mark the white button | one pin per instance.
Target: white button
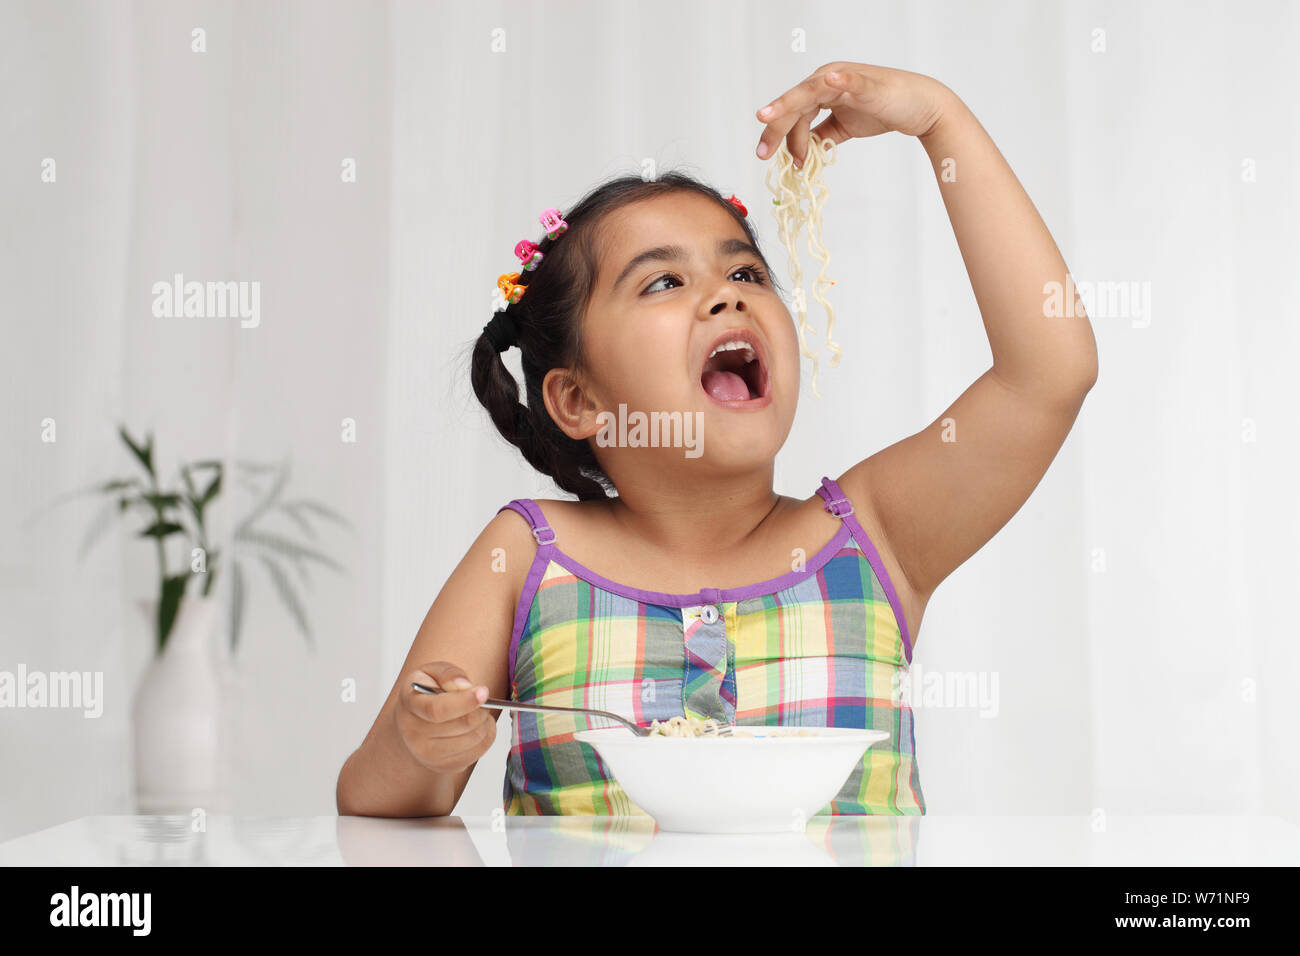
(709, 615)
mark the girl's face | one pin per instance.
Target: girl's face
(678, 277)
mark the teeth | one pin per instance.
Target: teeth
(732, 346)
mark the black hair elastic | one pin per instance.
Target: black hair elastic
(502, 331)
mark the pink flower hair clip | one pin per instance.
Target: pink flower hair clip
(528, 254)
(552, 223)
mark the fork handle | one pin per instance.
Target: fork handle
(544, 708)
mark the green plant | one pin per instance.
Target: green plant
(183, 512)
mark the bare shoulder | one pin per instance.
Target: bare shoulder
(583, 523)
(857, 488)
(471, 619)
(508, 543)
(487, 580)
(473, 614)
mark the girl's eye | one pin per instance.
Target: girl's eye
(759, 276)
(757, 273)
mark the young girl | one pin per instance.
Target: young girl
(699, 591)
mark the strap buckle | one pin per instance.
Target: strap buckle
(831, 507)
(538, 537)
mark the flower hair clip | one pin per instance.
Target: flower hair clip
(552, 223)
(503, 331)
(738, 204)
(529, 256)
(510, 288)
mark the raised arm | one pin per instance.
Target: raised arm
(940, 494)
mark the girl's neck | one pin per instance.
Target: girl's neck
(693, 521)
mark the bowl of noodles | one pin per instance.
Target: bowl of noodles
(755, 779)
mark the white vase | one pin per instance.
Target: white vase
(176, 714)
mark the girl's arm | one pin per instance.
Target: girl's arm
(469, 626)
(940, 494)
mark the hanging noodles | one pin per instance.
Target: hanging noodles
(793, 188)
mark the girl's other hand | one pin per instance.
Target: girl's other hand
(864, 100)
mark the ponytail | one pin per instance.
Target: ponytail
(571, 464)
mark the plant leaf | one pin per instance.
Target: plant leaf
(145, 454)
(161, 501)
(284, 587)
(160, 529)
(31, 519)
(236, 603)
(302, 568)
(120, 484)
(137, 503)
(173, 590)
(284, 546)
(210, 492)
(291, 510)
(316, 507)
(269, 500)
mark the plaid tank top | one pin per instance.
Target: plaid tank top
(823, 646)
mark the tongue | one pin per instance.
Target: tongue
(725, 386)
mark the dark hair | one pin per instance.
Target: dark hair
(549, 316)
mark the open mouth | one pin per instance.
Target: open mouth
(733, 373)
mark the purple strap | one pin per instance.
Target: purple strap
(840, 506)
(545, 536)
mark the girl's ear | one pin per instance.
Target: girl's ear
(572, 410)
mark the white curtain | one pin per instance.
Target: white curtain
(1134, 614)
(226, 164)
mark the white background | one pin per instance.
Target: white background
(1163, 683)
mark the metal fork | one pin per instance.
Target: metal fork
(519, 705)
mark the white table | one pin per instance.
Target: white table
(617, 841)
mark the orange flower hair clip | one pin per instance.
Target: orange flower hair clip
(510, 288)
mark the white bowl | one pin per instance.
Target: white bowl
(769, 783)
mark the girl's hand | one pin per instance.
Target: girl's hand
(446, 732)
(864, 101)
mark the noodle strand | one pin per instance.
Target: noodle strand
(793, 189)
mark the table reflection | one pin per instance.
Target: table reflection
(500, 840)
(621, 841)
